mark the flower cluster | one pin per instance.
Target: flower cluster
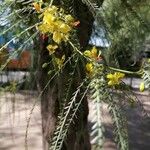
(114, 79)
(94, 56)
(56, 22)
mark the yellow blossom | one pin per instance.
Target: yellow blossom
(48, 18)
(69, 19)
(52, 48)
(44, 28)
(60, 61)
(52, 10)
(142, 87)
(64, 28)
(58, 36)
(114, 79)
(93, 53)
(89, 68)
(55, 22)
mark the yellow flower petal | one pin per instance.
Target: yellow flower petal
(63, 58)
(94, 52)
(114, 79)
(57, 37)
(52, 10)
(64, 28)
(87, 53)
(69, 19)
(60, 61)
(49, 18)
(110, 83)
(52, 48)
(119, 75)
(109, 76)
(142, 87)
(89, 67)
(44, 28)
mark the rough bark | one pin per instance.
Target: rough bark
(78, 137)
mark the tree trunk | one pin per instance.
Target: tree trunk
(78, 137)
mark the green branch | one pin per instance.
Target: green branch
(126, 71)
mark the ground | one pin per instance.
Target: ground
(138, 125)
(15, 110)
(14, 114)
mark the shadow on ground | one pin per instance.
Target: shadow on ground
(15, 110)
(138, 125)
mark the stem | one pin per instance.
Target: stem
(18, 35)
(78, 51)
(75, 48)
(51, 2)
(126, 71)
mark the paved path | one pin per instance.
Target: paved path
(14, 113)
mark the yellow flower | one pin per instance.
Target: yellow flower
(64, 28)
(89, 68)
(142, 87)
(52, 10)
(57, 37)
(55, 22)
(48, 18)
(87, 53)
(44, 28)
(69, 19)
(60, 61)
(37, 7)
(114, 79)
(93, 53)
(52, 48)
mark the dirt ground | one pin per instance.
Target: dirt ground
(138, 125)
(14, 114)
(15, 111)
